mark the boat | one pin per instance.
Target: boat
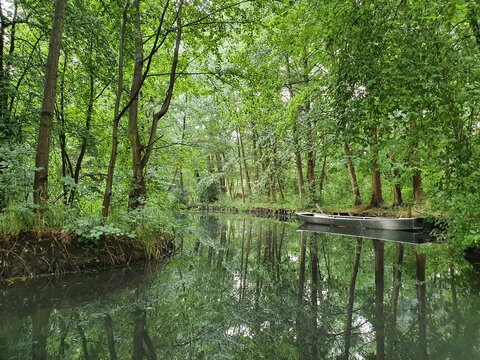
(398, 236)
(365, 222)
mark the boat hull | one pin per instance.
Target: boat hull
(364, 222)
(407, 237)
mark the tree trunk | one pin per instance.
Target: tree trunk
(3, 78)
(377, 199)
(255, 156)
(110, 337)
(379, 325)
(138, 190)
(397, 189)
(247, 174)
(40, 319)
(296, 143)
(86, 130)
(422, 305)
(397, 281)
(351, 299)
(417, 186)
(353, 175)
(298, 162)
(221, 179)
(311, 168)
(240, 166)
(140, 153)
(139, 321)
(107, 195)
(67, 168)
(323, 177)
(311, 130)
(40, 183)
(281, 188)
(314, 299)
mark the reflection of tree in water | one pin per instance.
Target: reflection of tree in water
(351, 298)
(250, 288)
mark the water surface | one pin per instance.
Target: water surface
(249, 288)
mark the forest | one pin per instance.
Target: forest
(117, 114)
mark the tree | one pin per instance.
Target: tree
(40, 184)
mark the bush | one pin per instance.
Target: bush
(208, 189)
(89, 230)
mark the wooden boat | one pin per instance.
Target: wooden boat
(366, 222)
(407, 237)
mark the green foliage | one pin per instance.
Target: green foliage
(267, 93)
(15, 174)
(90, 230)
(459, 200)
(208, 189)
(16, 218)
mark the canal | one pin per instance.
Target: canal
(248, 288)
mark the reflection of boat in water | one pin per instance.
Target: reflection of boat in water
(366, 222)
(409, 237)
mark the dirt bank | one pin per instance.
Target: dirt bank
(31, 254)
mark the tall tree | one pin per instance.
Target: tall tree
(40, 184)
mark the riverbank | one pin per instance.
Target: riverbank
(272, 210)
(257, 211)
(30, 253)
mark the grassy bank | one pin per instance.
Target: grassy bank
(65, 239)
(289, 208)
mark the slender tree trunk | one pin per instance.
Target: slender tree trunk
(110, 337)
(397, 280)
(281, 188)
(300, 317)
(379, 294)
(273, 194)
(40, 183)
(314, 292)
(298, 163)
(296, 143)
(240, 166)
(40, 334)
(311, 168)
(139, 321)
(138, 190)
(245, 166)
(84, 341)
(255, 155)
(397, 189)
(67, 169)
(107, 195)
(422, 305)
(353, 175)
(3, 75)
(86, 131)
(351, 299)
(311, 154)
(230, 189)
(221, 180)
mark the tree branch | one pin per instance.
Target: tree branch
(168, 97)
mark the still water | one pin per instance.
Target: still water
(249, 288)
